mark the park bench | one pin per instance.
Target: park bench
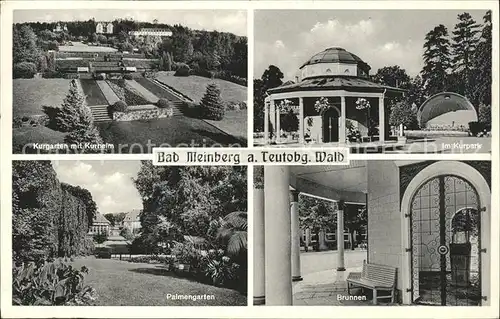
(375, 277)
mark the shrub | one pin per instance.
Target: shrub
(100, 238)
(127, 234)
(50, 284)
(119, 106)
(211, 103)
(220, 269)
(402, 113)
(485, 114)
(128, 77)
(24, 70)
(475, 128)
(164, 103)
(182, 70)
(50, 74)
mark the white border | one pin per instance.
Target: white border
(234, 312)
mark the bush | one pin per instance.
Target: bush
(52, 74)
(100, 238)
(402, 113)
(211, 103)
(24, 70)
(182, 70)
(476, 127)
(119, 106)
(128, 77)
(220, 269)
(127, 234)
(164, 103)
(50, 284)
(485, 114)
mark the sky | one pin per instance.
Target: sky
(288, 38)
(234, 21)
(109, 182)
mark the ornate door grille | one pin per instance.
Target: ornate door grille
(445, 238)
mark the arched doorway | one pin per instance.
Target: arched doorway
(331, 125)
(445, 243)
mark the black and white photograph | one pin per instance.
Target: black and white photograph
(392, 81)
(127, 233)
(376, 232)
(119, 81)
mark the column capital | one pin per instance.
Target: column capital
(294, 195)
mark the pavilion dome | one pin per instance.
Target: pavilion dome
(448, 109)
(334, 62)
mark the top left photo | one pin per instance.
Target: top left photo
(123, 81)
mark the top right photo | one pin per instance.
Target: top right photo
(376, 81)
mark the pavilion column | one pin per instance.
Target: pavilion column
(340, 236)
(259, 282)
(301, 120)
(342, 119)
(278, 266)
(278, 125)
(295, 229)
(381, 119)
(273, 118)
(266, 123)
(307, 242)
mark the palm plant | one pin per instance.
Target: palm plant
(232, 233)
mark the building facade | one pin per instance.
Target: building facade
(132, 220)
(104, 28)
(100, 225)
(154, 32)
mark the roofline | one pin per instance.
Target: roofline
(380, 87)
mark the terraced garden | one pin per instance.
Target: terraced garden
(126, 93)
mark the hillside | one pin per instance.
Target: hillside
(195, 86)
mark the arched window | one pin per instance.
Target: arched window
(328, 71)
(347, 71)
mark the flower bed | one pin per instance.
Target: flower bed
(432, 134)
(142, 112)
(126, 93)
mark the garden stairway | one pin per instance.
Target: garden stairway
(100, 113)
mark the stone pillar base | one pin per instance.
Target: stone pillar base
(297, 278)
(260, 300)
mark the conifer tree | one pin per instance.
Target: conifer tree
(463, 47)
(211, 103)
(482, 58)
(436, 60)
(74, 104)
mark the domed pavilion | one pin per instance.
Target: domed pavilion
(332, 92)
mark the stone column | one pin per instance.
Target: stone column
(278, 125)
(259, 279)
(295, 229)
(342, 120)
(266, 123)
(381, 119)
(301, 120)
(340, 236)
(277, 223)
(321, 240)
(272, 112)
(308, 238)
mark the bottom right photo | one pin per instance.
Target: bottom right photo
(376, 232)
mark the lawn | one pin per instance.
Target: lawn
(120, 283)
(23, 136)
(234, 123)
(93, 92)
(29, 95)
(195, 86)
(178, 131)
(156, 90)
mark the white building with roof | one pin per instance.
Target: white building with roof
(155, 32)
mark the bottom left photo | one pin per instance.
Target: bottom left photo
(127, 233)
